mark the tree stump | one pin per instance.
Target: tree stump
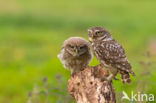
(87, 87)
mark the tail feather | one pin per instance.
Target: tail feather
(132, 73)
(125, 77)
(129, 68)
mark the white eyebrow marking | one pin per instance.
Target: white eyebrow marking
(107, 39)
(97, 30)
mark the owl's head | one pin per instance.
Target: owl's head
(76, 46)
(98, 33)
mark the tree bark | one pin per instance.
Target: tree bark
(87, 87)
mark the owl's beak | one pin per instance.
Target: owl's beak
(76, 51)
(92, 37)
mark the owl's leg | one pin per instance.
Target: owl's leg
(115, 78)
(114, 71)
(113, 74)
(109, 78)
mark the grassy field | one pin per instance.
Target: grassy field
(32, 32)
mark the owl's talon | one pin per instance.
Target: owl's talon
(115, 78)
(109, 78)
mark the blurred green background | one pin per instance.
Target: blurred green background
(32, 32)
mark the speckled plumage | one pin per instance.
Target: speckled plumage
(72, 60)
(110, 53)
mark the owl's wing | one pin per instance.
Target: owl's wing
(112, 53)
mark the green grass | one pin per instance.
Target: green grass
(32, 32)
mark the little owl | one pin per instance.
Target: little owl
(75, 54)
(110, 53)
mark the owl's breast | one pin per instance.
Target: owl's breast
(101, 53)
(75, 65)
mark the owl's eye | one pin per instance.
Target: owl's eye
(82, 47)
(71, 46)
(98, 33)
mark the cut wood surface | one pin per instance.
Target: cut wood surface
(87, 87)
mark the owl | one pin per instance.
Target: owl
(110, 53)
(75, 54)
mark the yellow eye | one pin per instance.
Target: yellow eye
(71, 46)
(98, 33)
